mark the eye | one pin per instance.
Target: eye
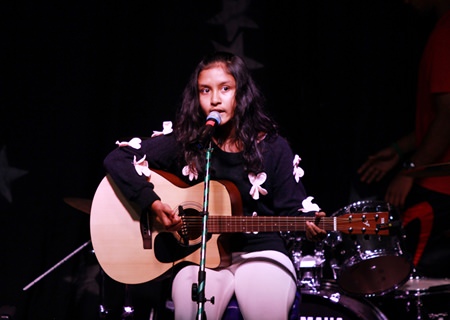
(204, 90)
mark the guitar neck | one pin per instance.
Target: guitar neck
(347, 224)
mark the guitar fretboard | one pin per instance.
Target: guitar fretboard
(359, 223)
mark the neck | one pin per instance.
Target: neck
(224, 138)
(228, 145)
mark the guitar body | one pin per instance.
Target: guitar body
(117, 234)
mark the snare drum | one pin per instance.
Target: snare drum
(329, 302)
(418, 298)
(373, 264)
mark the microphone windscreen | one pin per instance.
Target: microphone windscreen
(214, 115)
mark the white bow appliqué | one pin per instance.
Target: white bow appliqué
(308, 206)
(134, 143)
(141, 167)
(192, 173)
(167, 128)
(256, 182)
(298, 172)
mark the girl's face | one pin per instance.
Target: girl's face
(217, 92)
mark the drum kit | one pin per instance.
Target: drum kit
(348, 276)
(364, 276)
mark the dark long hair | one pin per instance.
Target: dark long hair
(250, 118)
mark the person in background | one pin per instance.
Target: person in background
(248, 151)
(424, 200)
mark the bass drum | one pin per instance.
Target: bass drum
(370, 265)
(329, 302)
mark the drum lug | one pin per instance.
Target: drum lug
(333, 239)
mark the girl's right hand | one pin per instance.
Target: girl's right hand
(166, 216)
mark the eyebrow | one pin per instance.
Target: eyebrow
(228, 82)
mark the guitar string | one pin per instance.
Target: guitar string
(277, 222)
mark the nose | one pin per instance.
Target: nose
(215, 98)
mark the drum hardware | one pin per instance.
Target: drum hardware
(418, 288)
(419, 298)
(84, 205)
(308, 266)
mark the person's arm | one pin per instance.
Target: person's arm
(434, 144)
(379, 164)
(404, 145)
(129, 165)
(437, 139)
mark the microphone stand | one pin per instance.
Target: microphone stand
(198, 290)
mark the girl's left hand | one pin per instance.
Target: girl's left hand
(313, 232)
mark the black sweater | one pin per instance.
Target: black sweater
(284, 194)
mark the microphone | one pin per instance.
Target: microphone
(212, 121)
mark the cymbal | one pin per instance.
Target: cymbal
(84, 205)
(431, 170)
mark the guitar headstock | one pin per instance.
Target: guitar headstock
(370, 223)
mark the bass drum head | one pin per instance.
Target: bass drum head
(373, 264)
(328, 302)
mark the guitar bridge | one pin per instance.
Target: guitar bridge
(184, 232)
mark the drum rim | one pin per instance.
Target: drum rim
(400, 282)
(402, 292)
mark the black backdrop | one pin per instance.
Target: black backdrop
(339, 77)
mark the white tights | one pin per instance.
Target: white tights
(264, 284)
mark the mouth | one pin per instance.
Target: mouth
(221, 113)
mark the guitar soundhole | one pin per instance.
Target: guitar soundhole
(192, 224)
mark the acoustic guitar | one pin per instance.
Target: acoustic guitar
(132, 247)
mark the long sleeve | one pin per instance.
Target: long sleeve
(159, 153)
(287, 193)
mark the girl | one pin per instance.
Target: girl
(249, 152)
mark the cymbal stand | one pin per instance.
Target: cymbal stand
(128, 309)
(56, 265)
(103, 311)
(198, 289)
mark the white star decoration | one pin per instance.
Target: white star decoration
(7, 175)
